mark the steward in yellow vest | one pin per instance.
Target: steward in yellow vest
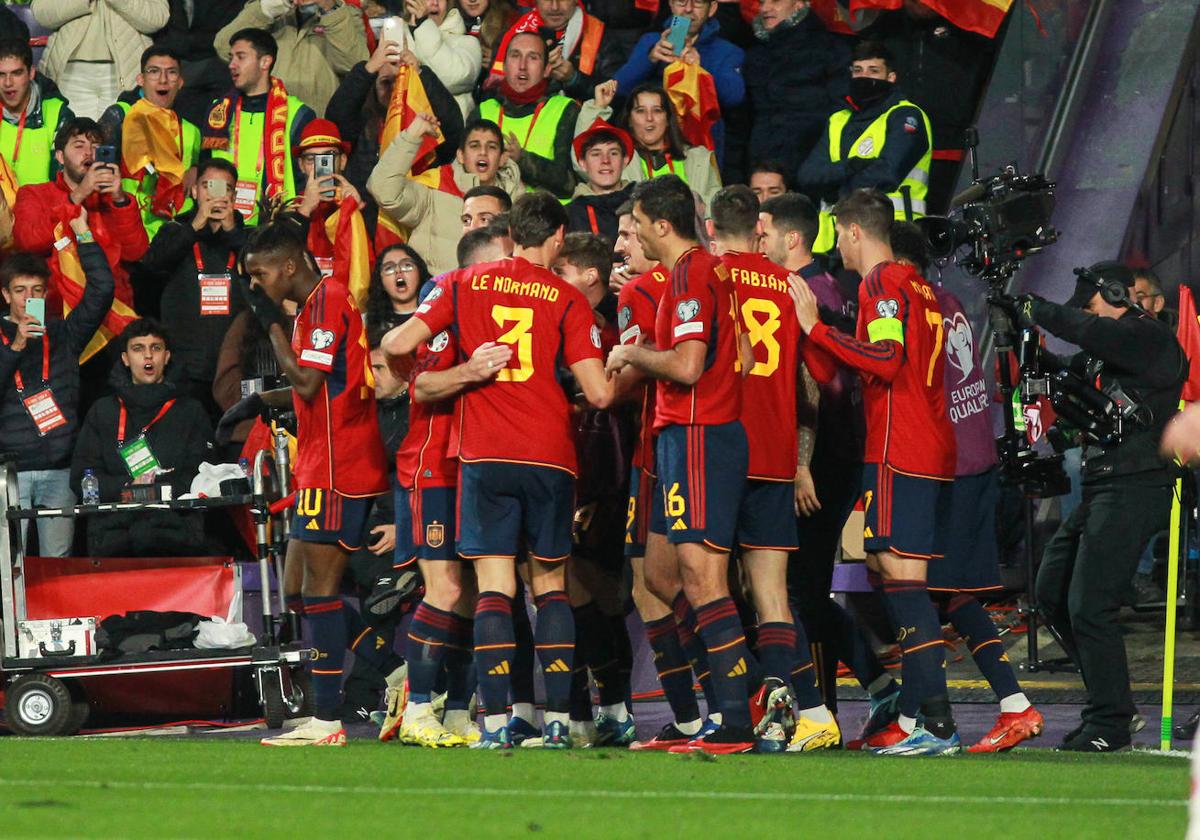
(33, 111)
(538, 129)
(882, 141)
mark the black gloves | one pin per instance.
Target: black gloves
(243, 409)
(265, 310)
(1020, 308)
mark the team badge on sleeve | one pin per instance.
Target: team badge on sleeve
(596, 336)
(887, 308)
(320, 339)
(688, 309)
(623, 317)
(439, 342)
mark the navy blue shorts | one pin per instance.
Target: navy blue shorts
(701, 476)
(904, 514)
(640, 509)
(425, 524)
(970, 562)
(767, 516)
(505, 507)
(325, 516)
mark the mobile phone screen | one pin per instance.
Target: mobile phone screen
(679, 31)
(37, 308)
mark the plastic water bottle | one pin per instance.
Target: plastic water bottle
(91, 488)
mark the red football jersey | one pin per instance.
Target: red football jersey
(523, 415)
(899, 355)
(769, 391)
(338, 445)
(425, 458)
(699, 305)
(637, 306)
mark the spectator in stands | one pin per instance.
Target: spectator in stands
(93, 52)
(159, 148)
(44, 211)
(318, 43)
(12, 26)
(39, 372)
(882, 142)
(240, 127)
(145, 434)
(359, 110)
(432, 210)
(704, 46)
(33, 111)
(392, 299)
(537, 126)
(768, 179)
(485, 206)
(659, 147)
(1148, 292)
(796, 77)
(487, 20)
(576, 54)
(191, 261)
(601, 153)
(485, 244)
(191, 28)
(434, 32)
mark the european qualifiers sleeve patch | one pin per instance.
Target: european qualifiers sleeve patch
(686, 312)
(623, 318)
(887, 308)
(320, 339)
(434, 294)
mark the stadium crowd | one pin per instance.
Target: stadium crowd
(605, 302)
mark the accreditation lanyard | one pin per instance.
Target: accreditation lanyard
(670, 166)
(592, 220)
(121, 417)
(20, 132)
(41, 406)
(536, 113)
(17, 379)
(214, 288)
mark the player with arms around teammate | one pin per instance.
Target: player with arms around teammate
(517, 451)
(701, 448)
(340, 458)
(910, 453)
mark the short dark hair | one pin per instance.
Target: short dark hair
(772, 167)
(587, 250)
(598, 137)
(535, 217)
(870, 209)
(500, 225)
(159, 51)
(908, 242)
(626, 208)
(870, 48)
(793, 212)
(23, 264)
(75, 127)
(281, 238)
(219, 164)
(17, 48)
(533, 32)
(734, 211)
(1150, 277)
(142, 327)
(472, 243)
(480, 125)
(668, 198)
(261, 40)
(490, 189)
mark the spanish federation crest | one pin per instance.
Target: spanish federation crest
(218, 117)
(435, 534)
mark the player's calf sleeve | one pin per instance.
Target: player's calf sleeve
(596, 648)
(327, 632)
(972, 622)
(459, 664)
(523, 657)
(922, 664)
(720, 628)
(554, 639)
(368, 645)
(674, 670)
(777, 650)
(494, 649)
(425, 647)
(693, 648)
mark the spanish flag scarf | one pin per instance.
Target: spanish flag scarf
(68, 271)
(222, 129)
(152, 146)
(694, 94)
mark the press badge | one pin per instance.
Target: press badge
(137, 456)
(214, 294)
(245, 197)
(44, 411)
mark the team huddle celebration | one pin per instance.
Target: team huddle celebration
(584, 321)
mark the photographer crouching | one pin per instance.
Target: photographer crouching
(1088, 565)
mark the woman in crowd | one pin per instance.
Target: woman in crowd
(435, 33)
(399, 274)
(487, 20)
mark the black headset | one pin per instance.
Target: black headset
(1112, 292)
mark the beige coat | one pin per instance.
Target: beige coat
(433, 216)
(313, 58)
(127, 25)
(451, 54)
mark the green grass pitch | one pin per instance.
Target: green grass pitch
(159, 787)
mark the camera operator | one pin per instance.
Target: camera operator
(1088, 565)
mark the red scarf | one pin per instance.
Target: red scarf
(534, 94)
(275, 137)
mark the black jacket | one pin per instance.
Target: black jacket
(557, 175)
(68, 337)
(194, 41)
(1139, 352)
(179, 440)
(170, 268)
(605, 209)
(795, 79)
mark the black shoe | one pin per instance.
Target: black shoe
(1095, 741)
(392, 590)
(1186, 731)
(1070, 736)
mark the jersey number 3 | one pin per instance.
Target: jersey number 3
(520, 334)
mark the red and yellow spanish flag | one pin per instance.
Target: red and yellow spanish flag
(1188, 333)
(981, 16)
(67, 273)
(694, 95)
(338, 232)
(152, 144)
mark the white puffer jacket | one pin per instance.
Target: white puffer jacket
(127, 25)
(450, 53)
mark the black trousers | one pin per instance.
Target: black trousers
(1087, 568)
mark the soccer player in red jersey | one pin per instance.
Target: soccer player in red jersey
(340, 458)
(910, 452)
(637, 307)
(517, 452)
(701, 448)
(766, 524)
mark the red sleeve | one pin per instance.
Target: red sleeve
(581, 335)
(437, 309)
(438, 353)
(636, 311)
(35, 215)
(125, 226)
(882, 312)
(694, 308)
(881, 359)
(321, 330)
(820, 364)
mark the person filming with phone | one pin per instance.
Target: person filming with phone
(39, 378)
